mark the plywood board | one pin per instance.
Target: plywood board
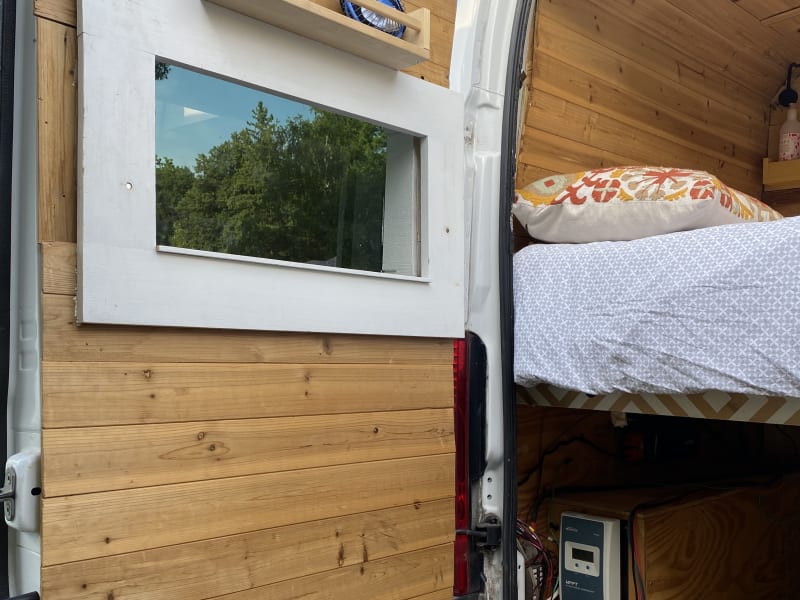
(255, 559)
(91, 394)
(57, 56)
(108, 523)
(63, 341)
(93, 459)
(722, 541)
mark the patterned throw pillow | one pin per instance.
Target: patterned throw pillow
(626, 203)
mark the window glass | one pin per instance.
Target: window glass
(244, 172)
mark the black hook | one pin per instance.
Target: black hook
(788, 96)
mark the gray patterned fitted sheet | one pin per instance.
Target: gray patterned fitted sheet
(711, 309)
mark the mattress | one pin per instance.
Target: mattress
(678, 314)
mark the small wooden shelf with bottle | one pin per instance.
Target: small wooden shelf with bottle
(315, 20)
(781, 175)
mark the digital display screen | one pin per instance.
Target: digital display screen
(584, 555)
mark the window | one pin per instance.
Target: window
(244, 172)
(261, 180)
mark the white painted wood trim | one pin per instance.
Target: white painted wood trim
(288, 265)
(123, 279)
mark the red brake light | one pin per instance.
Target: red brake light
(461, 429)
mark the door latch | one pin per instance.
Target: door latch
(8, 492)
(488, 534)
(22, 490)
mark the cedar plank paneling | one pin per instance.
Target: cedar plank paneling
(59, 268)
(591, 54)
(790, 29)
(564, 118)
(552, 152)
(752, 36)
(107, 523)
(57, 56)
(786, 202)
(391, 578)
(650, 83)
(527, 174)
(445, 594)
(254, 559)
(92, 459)
(558, 78)
(91, 394)
(64, 342)
(63, 11)
(763, 9)
(631, 35)
(747, 75)
(266, 374)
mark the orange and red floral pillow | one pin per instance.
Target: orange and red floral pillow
(625, 203)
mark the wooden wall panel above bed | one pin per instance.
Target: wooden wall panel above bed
(657, 82)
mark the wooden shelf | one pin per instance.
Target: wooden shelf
(317, 22)
(781, 175)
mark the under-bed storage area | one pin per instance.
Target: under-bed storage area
(714, 503)
(657, 353)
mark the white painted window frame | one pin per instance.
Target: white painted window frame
(123, 278)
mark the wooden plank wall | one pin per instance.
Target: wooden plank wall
(192, 464)
(664, 82)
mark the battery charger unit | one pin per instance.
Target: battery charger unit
(590, 557)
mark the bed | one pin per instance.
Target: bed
(702, 323)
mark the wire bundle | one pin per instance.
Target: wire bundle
(542, 559)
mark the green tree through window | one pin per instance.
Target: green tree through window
(303, 189)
